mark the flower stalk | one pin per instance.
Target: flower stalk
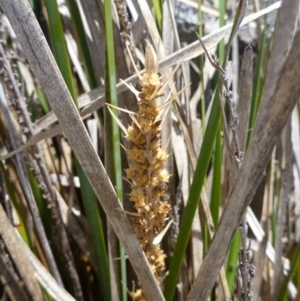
(146, 173)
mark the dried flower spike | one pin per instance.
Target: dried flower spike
(146, 171)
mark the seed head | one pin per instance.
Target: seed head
(146, 172)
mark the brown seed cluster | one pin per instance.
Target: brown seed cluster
(146, 172)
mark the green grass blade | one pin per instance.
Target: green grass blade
(42, 100)
(258, 80)
(240, 13)
(201, 67)
(112, 129)
(111, 91)
(217, 162)
(257, 87)
(217, 178)
(232, 262)
(222, 12)
(158, 13)
(59, 46)
(96, 234)
(193, 200)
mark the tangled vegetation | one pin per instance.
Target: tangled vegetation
(138, 166)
